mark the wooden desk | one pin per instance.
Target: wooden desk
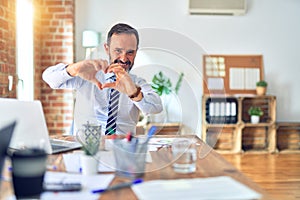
(209, 164)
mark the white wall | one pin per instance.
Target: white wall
(270, 28)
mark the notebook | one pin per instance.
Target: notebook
(31, 129)
(6, 132)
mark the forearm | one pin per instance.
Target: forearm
(147, 100)
(150, 102)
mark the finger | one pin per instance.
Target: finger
(108, 85)
(97, 83)
(112, 67)
(101, 65)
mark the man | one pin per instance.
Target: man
(95, 84)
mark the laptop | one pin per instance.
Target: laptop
(6, 133)
(31, 129)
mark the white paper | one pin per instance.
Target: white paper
(243, 78)
(215, 83)
(106, 161)
(251, 78)
(89, 183)
(236, 78)
(221, 188)
(161, 141)
(72, 162)
(153, 147)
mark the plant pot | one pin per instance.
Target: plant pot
(89, 164)
(254, 119)
(261, 90)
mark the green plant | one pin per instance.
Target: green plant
(262, 83)
(161, 84)
(253, 110)
(90, 147)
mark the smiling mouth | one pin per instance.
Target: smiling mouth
(123, 64)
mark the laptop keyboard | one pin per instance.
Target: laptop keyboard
(57, 147)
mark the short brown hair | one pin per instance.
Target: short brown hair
(122, 28)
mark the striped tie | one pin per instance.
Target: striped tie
(112, 110)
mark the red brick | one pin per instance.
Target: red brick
(56, 9)
(54, 3)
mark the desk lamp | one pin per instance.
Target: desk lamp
(90, 40)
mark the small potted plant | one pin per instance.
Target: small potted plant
(89, 136)
(88, 160)
(162, 85)
(255, 113)
(261, 87)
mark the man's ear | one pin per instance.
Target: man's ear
(106, 48)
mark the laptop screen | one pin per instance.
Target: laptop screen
(31, 129)
(6, 132)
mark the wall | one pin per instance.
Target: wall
(53, 43)
(54, 31)
(270, 28)
(7, 47)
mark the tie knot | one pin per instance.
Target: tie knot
(113, 78)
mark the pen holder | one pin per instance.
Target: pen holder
(130, 157)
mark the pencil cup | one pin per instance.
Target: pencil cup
(130, 157)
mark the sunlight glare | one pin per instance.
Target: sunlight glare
(25, 49)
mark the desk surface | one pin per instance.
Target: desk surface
(209, 164)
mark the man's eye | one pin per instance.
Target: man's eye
(118, 51)
(130, 53)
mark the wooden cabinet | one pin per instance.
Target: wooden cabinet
(227, 128)
(288, 137)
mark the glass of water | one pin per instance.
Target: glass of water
(184, 155)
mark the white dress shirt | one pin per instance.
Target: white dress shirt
(92, 103)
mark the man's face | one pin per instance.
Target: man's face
(122, 50)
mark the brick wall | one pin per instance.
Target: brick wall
(54, 36)
(7, 47)
(53, 43)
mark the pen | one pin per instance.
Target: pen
(129, 136)
(151, 132)
(51, 167)
(118, 186)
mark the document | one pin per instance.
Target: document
(88, 183)
(106, 161)
(220, 188)
(243, 78)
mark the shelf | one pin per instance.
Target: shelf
(288, 137)
(259, 124)
(221, 125)
(241, 136)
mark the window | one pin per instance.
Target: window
(24, 18)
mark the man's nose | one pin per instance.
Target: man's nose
(123, 57)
